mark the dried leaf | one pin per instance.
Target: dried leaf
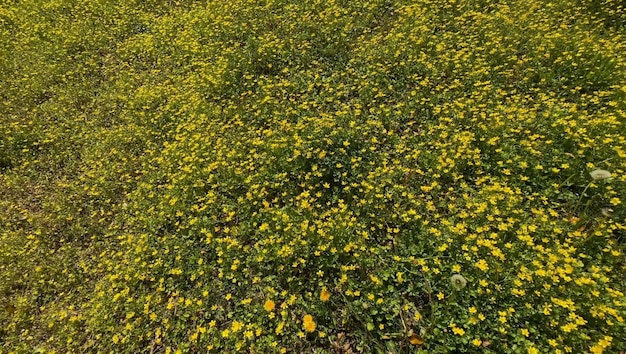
(10, 309)
(416, 339)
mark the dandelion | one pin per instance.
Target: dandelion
(600, 174)
(458, 281)
(324, 295)
(308, 323)
(269, 306)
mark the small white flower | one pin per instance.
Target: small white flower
(600, 174)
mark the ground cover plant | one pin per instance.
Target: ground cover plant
(334, 176)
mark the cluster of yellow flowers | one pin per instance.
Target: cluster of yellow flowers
(282, 176)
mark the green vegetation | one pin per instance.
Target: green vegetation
(317, 176)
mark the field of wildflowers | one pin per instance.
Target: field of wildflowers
(271, 176)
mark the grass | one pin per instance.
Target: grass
(324, 177)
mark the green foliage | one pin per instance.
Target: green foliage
(320, 176)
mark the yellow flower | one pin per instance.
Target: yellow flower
(482, 265)
(237, 326)
(601, 345)
(477, 342)
(279, 328)
(459, 331)
(309, 324)
(324, 295)
(269, 306)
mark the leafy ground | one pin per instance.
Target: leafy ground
(316, 176)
